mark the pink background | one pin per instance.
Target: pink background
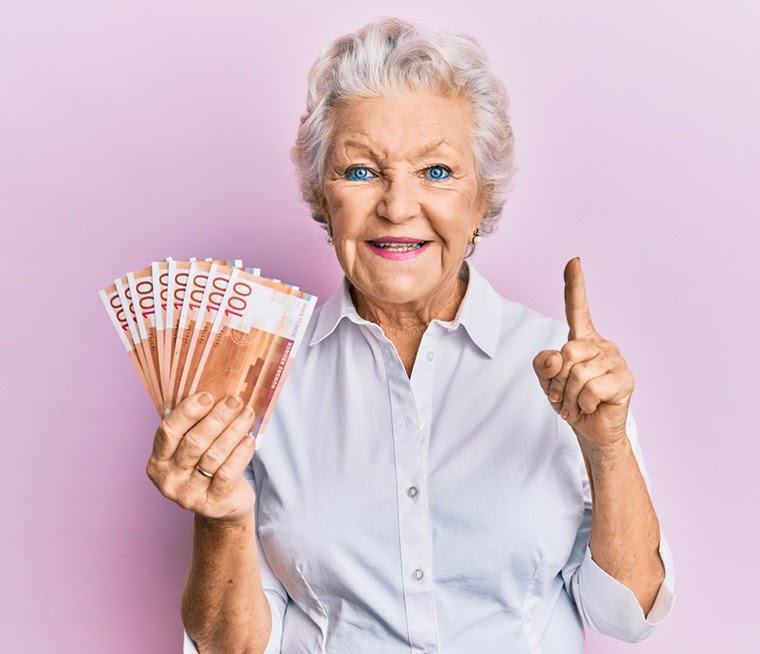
(133, 131)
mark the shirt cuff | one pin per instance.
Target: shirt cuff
(276, 607)
(188, 646)
(612, 608)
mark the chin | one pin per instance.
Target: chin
(401, 290)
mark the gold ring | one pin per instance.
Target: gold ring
(204, 473)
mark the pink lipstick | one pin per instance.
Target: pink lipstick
(397, 248)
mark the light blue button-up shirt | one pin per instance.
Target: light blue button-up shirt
(447, 512)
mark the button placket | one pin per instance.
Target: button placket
(422, 567)
(415, 541)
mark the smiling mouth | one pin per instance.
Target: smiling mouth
(398, 247)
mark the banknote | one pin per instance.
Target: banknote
(144, 311)
(249, 344)
(113, 304)
(203, 308)
(197, 277)
(277, 382)
(213, 325)
(177, 284)
(160, 270)
(125, 295)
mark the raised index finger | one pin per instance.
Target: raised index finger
(576, 302)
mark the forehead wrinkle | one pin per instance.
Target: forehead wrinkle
(363, 146)
(422, 151)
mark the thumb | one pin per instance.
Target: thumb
(547, 365)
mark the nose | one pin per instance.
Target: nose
(398, 201)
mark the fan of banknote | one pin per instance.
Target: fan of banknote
(214, 326)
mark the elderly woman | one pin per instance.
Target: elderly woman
(418, 490)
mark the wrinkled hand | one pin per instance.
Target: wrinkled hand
(198, 434)
(587, 382)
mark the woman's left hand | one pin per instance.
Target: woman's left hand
(587, 382)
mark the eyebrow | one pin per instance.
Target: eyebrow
(425, 149)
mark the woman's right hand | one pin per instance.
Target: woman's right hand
(214, 438)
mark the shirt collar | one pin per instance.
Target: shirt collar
(479, 313)
(338, 306)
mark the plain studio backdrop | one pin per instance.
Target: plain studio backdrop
(133, 131)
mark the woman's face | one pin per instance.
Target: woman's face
(401, 195)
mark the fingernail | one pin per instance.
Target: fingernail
(205, 399)
(249, 440)
(548, 361)
(247, 412)
(554, 396)
(564, 413)
(233, 401)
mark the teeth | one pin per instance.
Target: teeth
(399, 247)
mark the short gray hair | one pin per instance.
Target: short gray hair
(390, 55)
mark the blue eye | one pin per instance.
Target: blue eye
(359, 173)
(438, 173)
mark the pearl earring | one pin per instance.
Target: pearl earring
(477, 239)
(329, 236)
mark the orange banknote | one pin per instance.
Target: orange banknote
(206, 325)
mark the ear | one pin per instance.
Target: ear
(484, 200)
(321, 203)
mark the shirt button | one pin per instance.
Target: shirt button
(418, 574)
(430, 355)
(422, 426)
(412, 492)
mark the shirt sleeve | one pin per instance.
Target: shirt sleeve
(607, 606)
(275, 592)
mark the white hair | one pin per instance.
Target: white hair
(389, 55)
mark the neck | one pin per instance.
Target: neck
(415, 316)
(405, 324)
